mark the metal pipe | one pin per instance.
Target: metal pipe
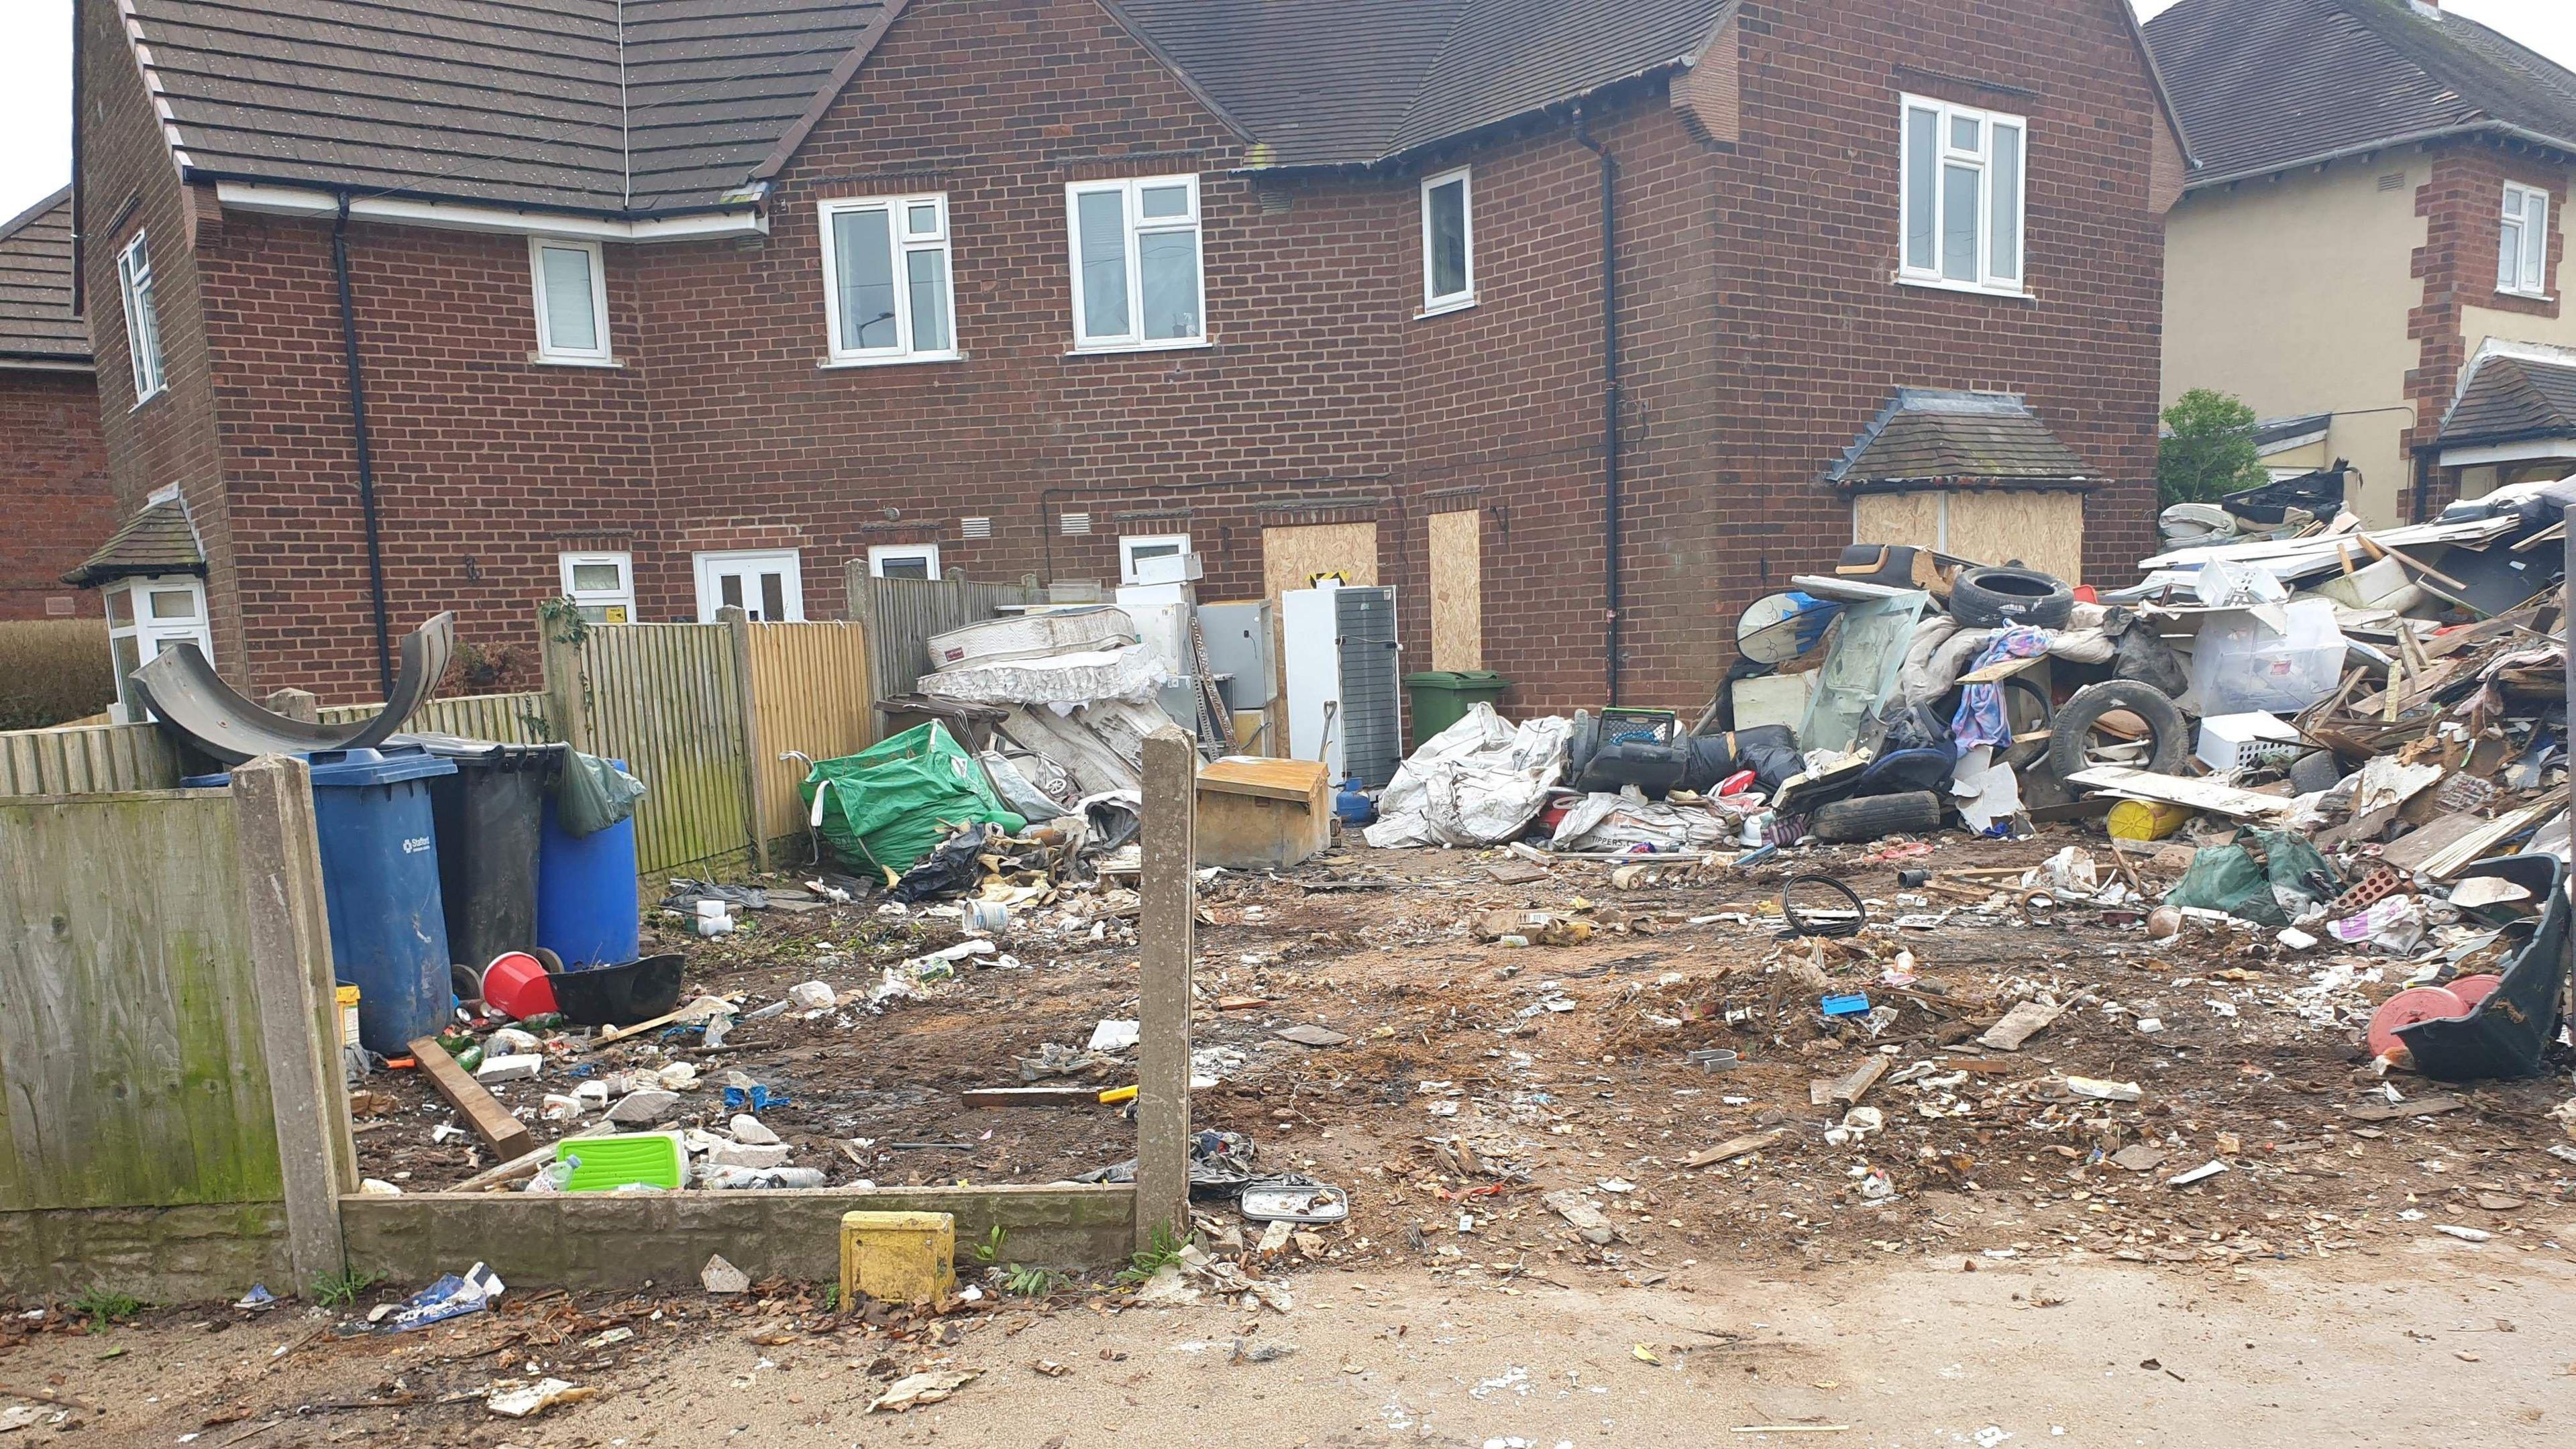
(366, 452)
(1609, 399)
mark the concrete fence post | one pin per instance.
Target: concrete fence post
(299, 1019)
(747, 704)
(295, 704)
(1169, 925)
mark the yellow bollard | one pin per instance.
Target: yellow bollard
(898, 1257)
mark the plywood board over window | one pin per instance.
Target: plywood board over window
(1457, 590)
(1292, 555)
(2045, 530)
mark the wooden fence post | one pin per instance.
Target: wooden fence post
(564, 704)
(1168, 935)
(746, 701)
(299, 1018)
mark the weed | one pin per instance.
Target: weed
(831, 1297)
(1162, 1246)
(104, 1308)
(1024, 1282)
(339, 1290)
(989, 1251)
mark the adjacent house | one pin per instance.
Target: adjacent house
(2379, 205)
(1580, 322)
(54, 503)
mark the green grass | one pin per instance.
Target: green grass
(1162, 1246)
(339, 1290)
(103, 1308)
(989, 1251)
(53, 671)
(1021, 1282)
(831, 1297)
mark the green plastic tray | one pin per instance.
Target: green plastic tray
(649, 1159)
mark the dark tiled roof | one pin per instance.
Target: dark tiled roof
(2278, 432)
(158, 540)
(2509, 398)
(1927, 433)
(37, 328)
(658, 105)
(1342, 82)
(2264, 84)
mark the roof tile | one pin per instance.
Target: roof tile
(37, 328)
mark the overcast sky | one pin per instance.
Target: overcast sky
(36, 80)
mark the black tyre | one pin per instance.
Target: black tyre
(2072, 728)
(1873, 816)
(2315, 772)
(1992, 598)
(2023, 751)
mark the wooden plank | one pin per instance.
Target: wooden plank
(2206, 795)
(1857, 1082)
(1268, 779)
(2393, 1111)
(755, 810)
(1030, 1096)
(1735, 1147)
(503, 1135)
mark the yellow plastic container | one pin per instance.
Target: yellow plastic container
(898, 1257)
(2146, 819)
(347, 996)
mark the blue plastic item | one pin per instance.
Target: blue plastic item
(380, 880)
(588, 912)
(1353, 804)
(1852, 1005)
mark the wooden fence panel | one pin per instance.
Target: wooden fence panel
(667, 699)
(809, 693)
(900, 615)
(502, 717)
(87, 759)
(132, 1067)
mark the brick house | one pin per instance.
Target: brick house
(2378, 205)
(672, 303)
(54, 503)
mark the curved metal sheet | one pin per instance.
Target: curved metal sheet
(188, 700)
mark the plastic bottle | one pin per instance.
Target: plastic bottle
(761, 1177)
(554, 1176)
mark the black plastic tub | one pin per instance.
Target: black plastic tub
(619, 995)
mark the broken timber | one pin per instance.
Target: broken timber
(506, 1136)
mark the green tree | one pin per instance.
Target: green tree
(2208, 449)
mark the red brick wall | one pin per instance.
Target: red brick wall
(1760, 333)
(2462, 202)
(54, 503)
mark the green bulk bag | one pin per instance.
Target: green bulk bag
(892, 803)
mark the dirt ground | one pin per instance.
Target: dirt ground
(1531, 1256)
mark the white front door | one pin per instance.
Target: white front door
(768, 584)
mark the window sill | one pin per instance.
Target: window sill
(147, 397)
(2520, 295)
(1943, 284)
(1183, 344)
(830, 364)
(1445, 306)
(539, 359)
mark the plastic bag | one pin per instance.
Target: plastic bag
(2299, 876)
(2228, 878)
(953, 869)
(889, 804)
(593, 794)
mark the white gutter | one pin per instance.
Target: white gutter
(459, 216)
(2537, 451)
(2391, 143)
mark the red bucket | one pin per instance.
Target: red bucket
(516, 982)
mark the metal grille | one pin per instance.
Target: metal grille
(1372, 726)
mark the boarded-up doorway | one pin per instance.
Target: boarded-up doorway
(1457, 590)
(1292, 556)
(2045, 530)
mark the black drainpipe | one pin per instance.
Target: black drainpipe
(366, 451)
(1609, 395)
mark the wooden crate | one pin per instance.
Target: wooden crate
(1263, 814)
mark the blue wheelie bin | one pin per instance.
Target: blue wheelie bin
(588, 909)
(380, 878)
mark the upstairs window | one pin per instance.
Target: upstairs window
(572, 302)
(142, 319)
(1962, 205)
(1137, 273)
(2522, 260)
(888, 295)
(1448, 242)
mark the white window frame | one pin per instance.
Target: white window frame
(2529, 275)
(788, 561)
(1128, 543)
(151, 635)
(880, 553)
(903, 244)
(548, 352)
(142, 319)
(621, 597)
(1131, 190)
(1433, 300)
(1988, 281)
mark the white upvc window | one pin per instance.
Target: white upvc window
(903, 560)
(2522, 260)
(1448, 242)
(1134, 548)
(887, 291)
(1139, 275)
(1964, 184)
(601, 585)
(146, 616)
(142, 318)
(571, 285)
(766, 583)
